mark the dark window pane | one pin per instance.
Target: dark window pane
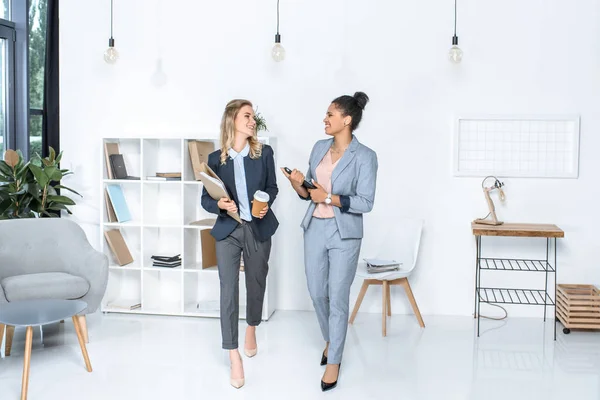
(37, 48)
(35, 135)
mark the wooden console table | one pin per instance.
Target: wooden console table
(495, 295)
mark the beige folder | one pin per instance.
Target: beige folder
(110, 211)
(110, 148)
(199, 152)
(215, 190)
(117, 244)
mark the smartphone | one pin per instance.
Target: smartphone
(306, 184)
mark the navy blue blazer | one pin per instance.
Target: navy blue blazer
(260, 175)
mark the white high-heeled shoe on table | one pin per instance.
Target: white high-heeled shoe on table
(237, 383)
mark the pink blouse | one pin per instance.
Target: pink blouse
(324, 171)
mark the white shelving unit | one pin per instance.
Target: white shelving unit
(162, 213)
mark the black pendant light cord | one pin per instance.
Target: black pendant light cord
(278, 17)
(454, 17)
(277, 36)
(111, 41)
(111, 19)
(454, 38)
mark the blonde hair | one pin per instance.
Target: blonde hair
(228, 130)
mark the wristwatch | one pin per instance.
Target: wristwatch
(328, 198)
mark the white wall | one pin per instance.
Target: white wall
(536, 57)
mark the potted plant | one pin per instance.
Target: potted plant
(30, 190)
(261, 124)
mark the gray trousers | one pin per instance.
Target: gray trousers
(330, 263)
(256, 267)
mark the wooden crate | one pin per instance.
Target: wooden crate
(578, 306)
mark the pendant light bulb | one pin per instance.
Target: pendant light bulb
(111, 55)
(455, 54)
(278, 52)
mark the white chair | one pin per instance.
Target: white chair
(398, 240)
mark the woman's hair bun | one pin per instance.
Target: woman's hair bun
(361, 99)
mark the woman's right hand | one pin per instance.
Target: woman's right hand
(296, 177)
(227, 205)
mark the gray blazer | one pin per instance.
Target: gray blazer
(354, 180)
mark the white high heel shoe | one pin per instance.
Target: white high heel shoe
(250, 353)
(238, 383)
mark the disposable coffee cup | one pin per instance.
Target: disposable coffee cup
(261, 199)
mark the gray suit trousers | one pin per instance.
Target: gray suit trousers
(330, 263)
(256, 266)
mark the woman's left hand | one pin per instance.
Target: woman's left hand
(319, 194)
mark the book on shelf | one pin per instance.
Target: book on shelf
(110, 148)
(117, 199)
(117, 244)
(169, 174)
(119, 170)
(199, 152)
(166, 261)
(110, 211)
(162, 178)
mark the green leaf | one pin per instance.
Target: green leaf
(46, 162)
(49, 171)
(66, 188)
(57, 176)
(39, 174)
(37, 171)
(34, 190)
(20, 192)
(52, 154)
(22, 170)
(60, 200)
(5, 169)
(37, 161)
(59, 157)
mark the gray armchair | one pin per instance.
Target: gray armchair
(50, 258)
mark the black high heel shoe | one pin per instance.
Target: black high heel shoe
(328, 386)
(323, 359)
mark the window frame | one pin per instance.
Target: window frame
(18, 99)
(8, 33)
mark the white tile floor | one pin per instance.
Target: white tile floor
(148, 357)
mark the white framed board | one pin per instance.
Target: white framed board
(517, 146)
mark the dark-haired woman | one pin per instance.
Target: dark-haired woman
(344, 172)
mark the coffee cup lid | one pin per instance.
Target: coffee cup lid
(261, 196)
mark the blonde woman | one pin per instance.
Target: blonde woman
(245, 166)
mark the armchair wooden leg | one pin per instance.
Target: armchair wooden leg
(385, 288)
(389, 300)
(361, 296)
(412, 300)
(26, 362)
(86, 358)
(83, 325)
(2, 326)
(10, 332)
